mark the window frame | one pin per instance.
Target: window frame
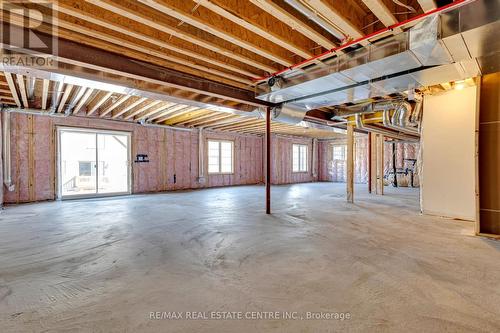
(344, 152)
(299, 145)
(220, 141)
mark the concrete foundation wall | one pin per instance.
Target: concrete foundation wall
(173, 157)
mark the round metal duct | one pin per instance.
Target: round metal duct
(289, 114)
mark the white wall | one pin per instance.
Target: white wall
(449, 148)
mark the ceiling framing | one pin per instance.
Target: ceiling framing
(202, 53)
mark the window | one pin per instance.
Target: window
(220, 156)
(299, 163)
(84, 169)
(339, 153)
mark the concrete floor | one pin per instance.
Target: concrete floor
(104, 265)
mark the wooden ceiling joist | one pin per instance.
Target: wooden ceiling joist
(118, 68)
(129, 107)
(248, 24)
(160, 117)
(330, 14)
(202, 121)
(83, 100)
(98, 101)
(45, 93)
(22, 90)
(381, 12)
(159, 25)
(114, 105)
(69, 10)
(427, 5)
(161, 108)
(64, 98)
(75, 99)
(163, 118)
(12, 87)
(168, 8)
(294, 23)
(141, 109)
(178, 119)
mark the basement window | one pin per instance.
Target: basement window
(299, 161)
(220, 157)
(340, 152)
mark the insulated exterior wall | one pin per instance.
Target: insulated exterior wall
(281, 151)
(173, 157)
(335, 170)
(406, 156)
(448, 183)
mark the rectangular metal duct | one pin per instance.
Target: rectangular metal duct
(454, 45)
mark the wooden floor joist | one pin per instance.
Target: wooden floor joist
(168, 8)
(156, 24)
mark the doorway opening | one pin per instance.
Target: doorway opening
(93, 163)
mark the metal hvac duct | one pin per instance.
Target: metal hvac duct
(449, 46)
(289, 114)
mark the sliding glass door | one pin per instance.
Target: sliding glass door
(93, 163)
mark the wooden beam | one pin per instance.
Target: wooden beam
(168, 9)
(255, 28)
(160, 117)
(330, 14)
(83, 100)
(114, 105)
(197, 119)
(158, 25)
(67, 92)
(427, 5)
(350, 163)
(77, 95)
(12, 87)
(98, 102)
(96, 64)
(211, 120)
(141, 109)
(381, 12)
(45, 93)
(294, 23)
(171, 115)
(165, 106)
(178, 119)
(141, 48)
(22, 90)
(129, 107)
(231, 122)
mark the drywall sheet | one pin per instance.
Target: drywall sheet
(448, 141)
